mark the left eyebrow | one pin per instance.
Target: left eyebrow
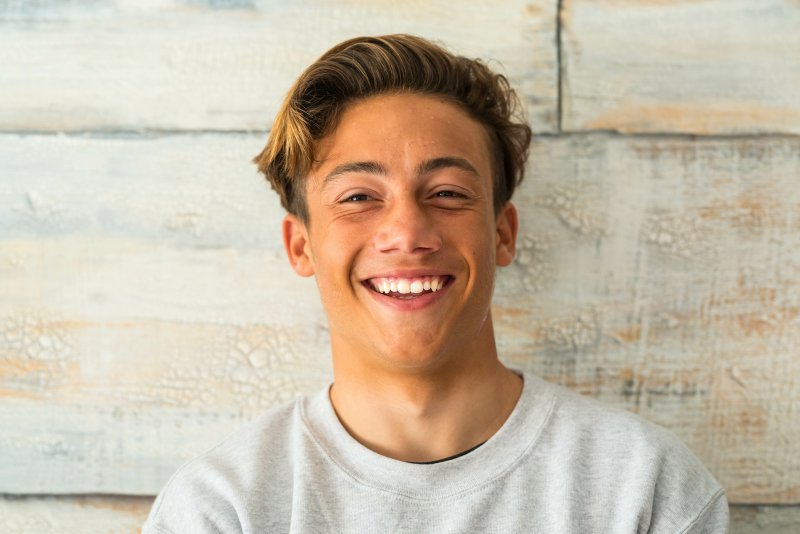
(444, 162)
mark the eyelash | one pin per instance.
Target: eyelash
(449, 194)
(364, 197)
(351, 198)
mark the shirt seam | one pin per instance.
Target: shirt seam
(714, 498)
(465, 491)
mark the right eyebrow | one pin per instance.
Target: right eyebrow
(369, 167)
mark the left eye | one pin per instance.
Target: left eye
(358, 197)
(448, 194)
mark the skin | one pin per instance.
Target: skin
(402, 187)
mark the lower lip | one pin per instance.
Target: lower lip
(417, 303)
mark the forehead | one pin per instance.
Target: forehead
(402, 129)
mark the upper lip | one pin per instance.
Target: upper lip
(408, 273)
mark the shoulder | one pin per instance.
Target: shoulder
(591, 424)
(631, 460)
(209, 492)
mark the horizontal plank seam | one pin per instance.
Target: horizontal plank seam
(157, 134)
(676, 135)
(132, 133)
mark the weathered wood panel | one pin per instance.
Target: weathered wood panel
(661, 275)
(158, 306)
(75, 515)
(181, 64)
(145, 320)
(699, 66)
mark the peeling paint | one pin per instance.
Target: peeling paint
(571, 333)
(677, 235)
(575, 211)
(531, 255)
(36, 354)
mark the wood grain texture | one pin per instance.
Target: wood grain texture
(765, 519)
(73, 515)
(161, 304)
(659, 275)
(704, 67)
(226, 64)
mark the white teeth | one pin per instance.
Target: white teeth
(403, 287)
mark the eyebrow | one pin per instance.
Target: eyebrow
(444, 162)
(368, 167)
(427, 166)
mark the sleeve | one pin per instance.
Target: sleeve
(193, 502)
(713, 519)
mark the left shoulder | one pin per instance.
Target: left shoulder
(602, 427)
(639, 461)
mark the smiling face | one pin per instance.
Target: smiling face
(402, 236)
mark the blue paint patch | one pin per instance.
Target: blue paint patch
(53, 10)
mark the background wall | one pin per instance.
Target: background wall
(146, 308)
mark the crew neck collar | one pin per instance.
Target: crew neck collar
(494, 458)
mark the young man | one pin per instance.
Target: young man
(396, 161)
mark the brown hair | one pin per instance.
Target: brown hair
(369, 66)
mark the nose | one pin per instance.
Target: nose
(407, 227)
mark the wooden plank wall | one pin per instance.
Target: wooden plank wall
(146, 307)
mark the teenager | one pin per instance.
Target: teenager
(396, 161)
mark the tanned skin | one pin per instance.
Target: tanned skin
(402, 191)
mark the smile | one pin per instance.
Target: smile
(408, 288)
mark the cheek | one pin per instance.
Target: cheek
(335, 254)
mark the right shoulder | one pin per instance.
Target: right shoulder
(210, 492)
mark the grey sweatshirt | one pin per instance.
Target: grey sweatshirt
(560, 463)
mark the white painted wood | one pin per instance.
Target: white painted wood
(705, 67)
(660, 275)
(176, 65)
(75, 515)
(147, 308)
(144, 289)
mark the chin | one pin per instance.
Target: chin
(419, 357)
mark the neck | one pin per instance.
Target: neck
(426, 415)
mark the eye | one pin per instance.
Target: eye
(449, 194)
(357, 197)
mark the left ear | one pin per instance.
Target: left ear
(506, 225)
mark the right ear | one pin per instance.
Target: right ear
(297, 245)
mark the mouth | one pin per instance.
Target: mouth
(407, 288)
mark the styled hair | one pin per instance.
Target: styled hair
(368, 66)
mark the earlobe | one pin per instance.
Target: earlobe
(507, 225)
(297, 245)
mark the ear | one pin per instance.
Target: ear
(297, 245)
(506, 225)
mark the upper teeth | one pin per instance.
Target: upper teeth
(407, 285)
